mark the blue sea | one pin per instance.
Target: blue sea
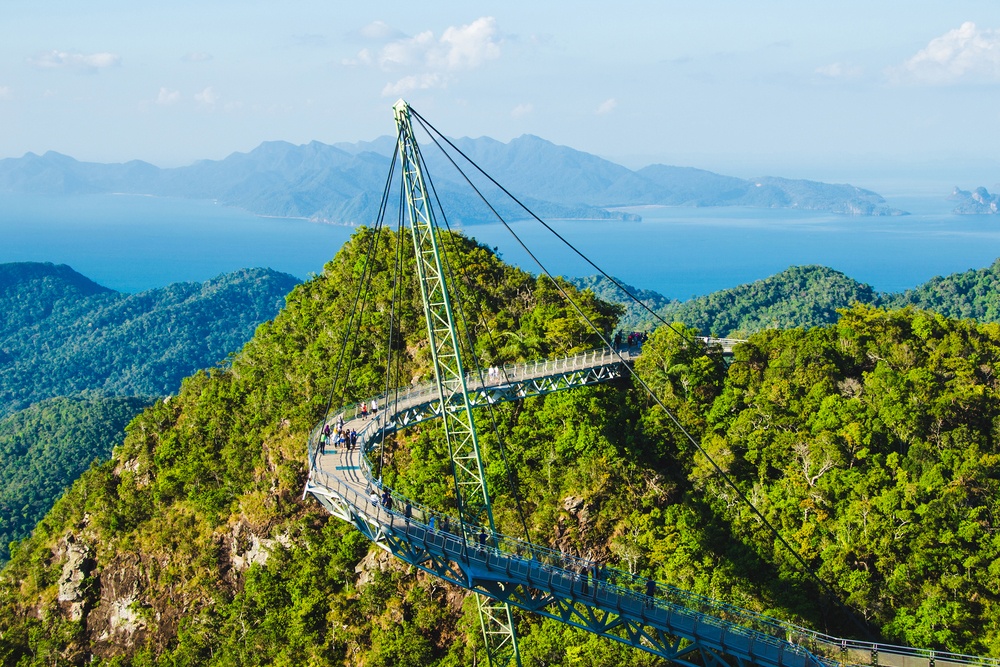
(131, 243)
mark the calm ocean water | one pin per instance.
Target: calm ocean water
(133, 243)
(685, 252)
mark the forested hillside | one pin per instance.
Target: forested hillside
(45, 447)
(63, 334)
(869, 444)
(971, 294)
(805, 296)
(800, 296)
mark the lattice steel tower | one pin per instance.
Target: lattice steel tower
(471, 493)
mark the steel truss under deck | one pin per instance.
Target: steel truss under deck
(673, 624)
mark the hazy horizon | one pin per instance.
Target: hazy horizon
(845, 92)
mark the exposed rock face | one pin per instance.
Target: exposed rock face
(976, 202)
(78, 565)
(375, 560)
(572, 504)
(247, 548)
(122, 616)
(131, 600)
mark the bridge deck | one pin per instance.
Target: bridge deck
(681, 626)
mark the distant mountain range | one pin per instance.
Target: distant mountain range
(343, 183)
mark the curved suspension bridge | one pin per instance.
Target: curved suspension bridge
(465, 548)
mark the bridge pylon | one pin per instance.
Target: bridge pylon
(471, 493)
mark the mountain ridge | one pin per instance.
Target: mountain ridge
(804, 296)
(65, 333)
(339, 183)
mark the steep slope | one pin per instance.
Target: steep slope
(534, 167)
(30, 292)
(44, 448)
(66, 334)
(975, 202)
(197, 524)
(870, 445)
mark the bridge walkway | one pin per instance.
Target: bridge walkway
(670, 622)
(681, 626)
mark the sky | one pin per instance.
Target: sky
(889, 94)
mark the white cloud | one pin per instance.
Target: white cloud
(196, 57)
(379, 30)
(406, 53)
(208, 97)
(82, 61)
(432, 62)
(4, 92)
(471, 45)
(167, 97)
(411, 83)
(607, 106)
(522, 110)
(841, 71)
(364, 57)
(966, 53)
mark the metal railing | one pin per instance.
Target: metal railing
(395, 400)
(533, 564)
(525, 559)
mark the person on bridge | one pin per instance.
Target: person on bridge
(374, 407)
(364, 411)
(650, 591)
(353, 440)
(407, 511)
(386, 499)
(374, 498)
(482, 540)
